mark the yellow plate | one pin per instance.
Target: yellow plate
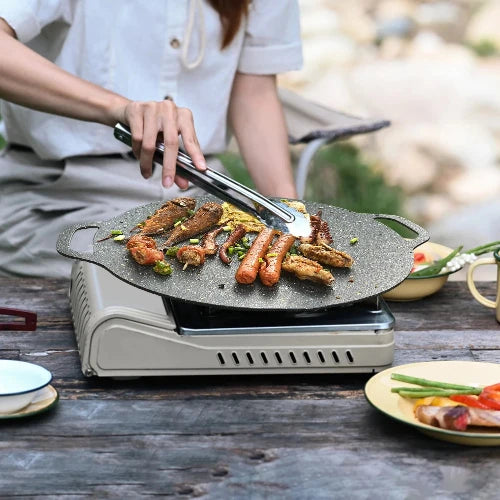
(45, 399)
(378, 393)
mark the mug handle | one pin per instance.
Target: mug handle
(472, 286)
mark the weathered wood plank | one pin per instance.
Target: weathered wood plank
(218, 447)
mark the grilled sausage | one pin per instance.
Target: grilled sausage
(249, 267)
(238, 233)
(270, 269)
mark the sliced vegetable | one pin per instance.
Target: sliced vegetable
(120, 237)
(353, 241)
(194, 241)
(116, 232)
(490, 396)
(468, 400)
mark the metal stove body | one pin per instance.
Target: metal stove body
(123, 331)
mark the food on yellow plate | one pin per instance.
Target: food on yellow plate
(143, 250)
(249, 266)
(166, 216)
(236, 235)
(233, 216)
(203, 219)
(435, 401)
(270, 269)
(457, 418)
(327, 255)
(307, 269)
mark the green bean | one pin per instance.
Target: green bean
(433, 383)
(432, 392)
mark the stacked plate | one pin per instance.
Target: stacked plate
(24, 388)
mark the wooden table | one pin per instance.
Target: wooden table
(300, 436)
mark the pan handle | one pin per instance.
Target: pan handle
(421, 234)
(63, 245)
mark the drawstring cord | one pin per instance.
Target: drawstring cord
(195, 7)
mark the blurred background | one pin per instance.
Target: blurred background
(433, 69)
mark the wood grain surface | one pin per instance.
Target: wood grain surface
(255, 437)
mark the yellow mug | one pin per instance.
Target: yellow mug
(494, 304)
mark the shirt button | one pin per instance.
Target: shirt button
(175, 43)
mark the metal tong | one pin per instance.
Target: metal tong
(272, 213)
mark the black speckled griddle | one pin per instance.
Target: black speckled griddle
(382, 260)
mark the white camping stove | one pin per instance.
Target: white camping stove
(123, 331)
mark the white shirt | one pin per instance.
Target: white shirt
(135, 49)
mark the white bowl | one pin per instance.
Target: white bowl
(19, 382)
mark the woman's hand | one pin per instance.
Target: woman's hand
(150, 120)
(30, 80)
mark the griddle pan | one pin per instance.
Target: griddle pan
(382, 260)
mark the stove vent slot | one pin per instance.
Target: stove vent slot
(278, 357)
(335, 357)
(235, 358)
(293, 359)
(80, 307)
(264, 357)
(321, 357)
(250, 358)
(221, 359)
(350, 357)
(307, 357)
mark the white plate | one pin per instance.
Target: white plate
(19, 382)
(378, 393)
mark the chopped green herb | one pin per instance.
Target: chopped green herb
(194, 240)
(120, 237)
(230, 250)
(116, 232)
(171, 251)
(273, 254)
(353, 241)
(226, 229)
(163, 268)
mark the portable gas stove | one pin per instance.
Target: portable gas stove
(125, 331)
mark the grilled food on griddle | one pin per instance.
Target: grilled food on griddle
(326, 255)
(270, 269)
(143, 250)
(165, 217)
(204, 218)
(307, 269)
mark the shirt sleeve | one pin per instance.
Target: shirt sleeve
(28, 17)
(272, 42)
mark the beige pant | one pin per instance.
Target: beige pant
(40, 198)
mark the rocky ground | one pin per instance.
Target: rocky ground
(433, 69)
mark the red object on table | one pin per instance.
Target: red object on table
(29, 319)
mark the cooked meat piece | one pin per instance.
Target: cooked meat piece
(204, 218)
(320, 232)
(191, 255)
(307, 269)
(143, 250)
(146, 256)
(139, 240)
(208, 241)
(270, 269)
(326, 255)
(457, 417)
(235, 236)
(166, 216)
